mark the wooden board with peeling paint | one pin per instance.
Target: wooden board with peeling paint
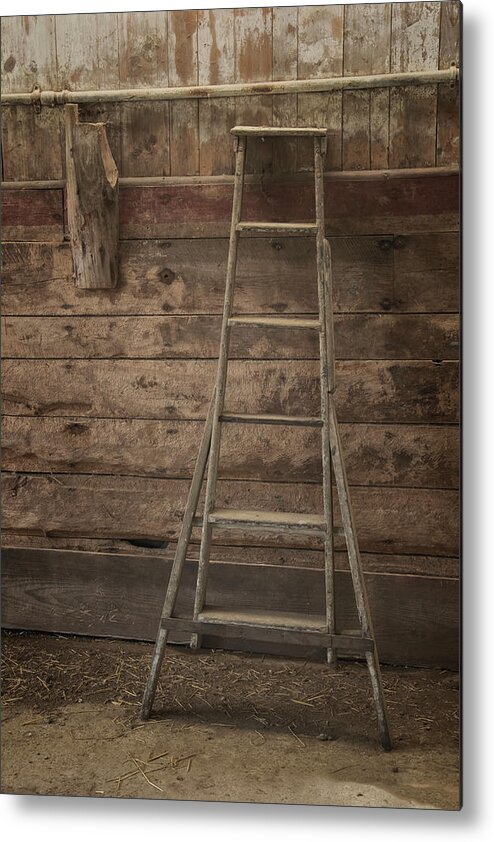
(210, 47)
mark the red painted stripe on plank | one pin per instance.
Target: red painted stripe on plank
(28, 208)
(286, 202)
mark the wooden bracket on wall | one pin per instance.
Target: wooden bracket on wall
(92, 202)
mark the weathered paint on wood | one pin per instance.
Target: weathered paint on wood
(366, 113)
(254, 62)
(183, 70)
(92, 202)
(118, 596)
(320, 56)
(29, 55)
(387, 392)
(358, 336)
(218, 46)
(415, 565)
(143, 61)
(375, 454)
(87, 51)
(216, 65)
(253, 45)
(394, 520)
(320, 41)
(414, 45)
(414, 273)
(143, 49)
(285, 43)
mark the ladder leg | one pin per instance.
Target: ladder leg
(205, 549)
(357, 577)
(178, 562)
(327, 384)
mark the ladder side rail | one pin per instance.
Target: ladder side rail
(319, 155)
(358, 580)
(205, 549)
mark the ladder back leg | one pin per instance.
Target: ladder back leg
(357, 575)
(219, 399)
(325, 362)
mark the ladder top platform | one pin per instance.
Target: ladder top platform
(278, 131)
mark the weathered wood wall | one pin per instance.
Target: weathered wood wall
(105, 391)
(401, 127)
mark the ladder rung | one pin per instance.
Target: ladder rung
(313, 524)
(278, 227)
(263, 617)
(274, 321)
(287, 420)
(278, 131)
(338, 531)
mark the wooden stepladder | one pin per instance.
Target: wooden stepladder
(248, 623)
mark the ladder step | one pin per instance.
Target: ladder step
(278, 131)
(249, 624)
(278, 227)
(274, 321)
(312, 524)
(262, 617)
(287, 420)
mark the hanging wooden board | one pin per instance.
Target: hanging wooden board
(92, 202)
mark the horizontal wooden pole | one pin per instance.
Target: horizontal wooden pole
(170, 180)
(336, 83)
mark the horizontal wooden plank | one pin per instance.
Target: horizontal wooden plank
(358, 207)
(357, 336)
(157, 550)
(395, 391)
(32, 215)
(380, 274)
(394, 520)
(427, 270)
(375, 454)
(416, 618)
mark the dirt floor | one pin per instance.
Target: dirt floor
(226, 727)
